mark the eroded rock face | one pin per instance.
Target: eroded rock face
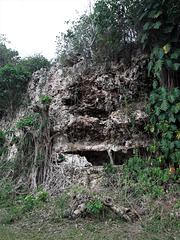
(97, 117)
(99, 112)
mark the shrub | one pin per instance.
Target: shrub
(13, 85)
(164, 112)
(31, 121)
(46, 100)
(94, 206)
(42, 197)
(34, 63)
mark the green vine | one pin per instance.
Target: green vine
(164, 112)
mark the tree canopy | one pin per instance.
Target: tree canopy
(114, 25)
(15, 73)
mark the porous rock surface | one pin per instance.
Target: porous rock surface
(98, 116)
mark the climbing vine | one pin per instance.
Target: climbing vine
(164, 111)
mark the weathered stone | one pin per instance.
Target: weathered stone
(91, 115)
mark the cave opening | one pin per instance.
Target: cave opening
(121, 156)
(98, 158)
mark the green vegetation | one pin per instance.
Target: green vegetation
(15, 74)
(34, 63)
(94, 207)
(149, 184)
(7, 55)
(164, 111)
(13, 85)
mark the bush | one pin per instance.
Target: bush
(94, 206)
(7, 55)
(31, 121)
(42, 197)
(164, 112)
(46, 100)
(34, 63)
(13, 85)
(146, 176)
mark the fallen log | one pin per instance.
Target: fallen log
(79, 207)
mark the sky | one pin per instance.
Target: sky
(32, 25)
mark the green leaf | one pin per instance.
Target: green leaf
(157, 111)
(167, 48)
(143, 15)
(158, 65)
(164, 147)
(177, 143)
(177, 108)
(152, 128)
(169, 135)
(162, 117)
(175, 66)
(176, 54)
(172, 119)
(150, 65)
(151, 55)
(155, 49)
(144, 37)
(168, 63)
(155, 84)
(171, 98)
(151, 13)
(157, 14)
(175, 92)
(157, 25)
(171, 145)
(168, 29)
(146, 25)
(160, 53)
(164, 105)
(156, 5)
(173, 127)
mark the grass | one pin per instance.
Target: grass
(46, 223)
(82, 229)
(26, 218)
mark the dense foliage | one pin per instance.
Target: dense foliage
(34, 63)
(159, 34)
(13, 84)
(114, 25)
(164, 111)
(78, 40)
(7, 55)
(15, 74)
(99, 36)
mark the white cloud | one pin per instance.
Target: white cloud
(32, 25)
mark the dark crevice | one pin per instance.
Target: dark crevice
(120, 156)
(98, 158)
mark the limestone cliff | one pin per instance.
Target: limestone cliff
(97, 116)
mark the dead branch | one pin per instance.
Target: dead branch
(79, 207)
